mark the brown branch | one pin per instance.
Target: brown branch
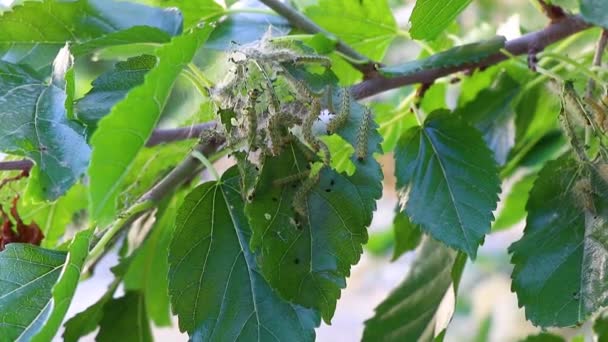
(159, 136)
(537, 40)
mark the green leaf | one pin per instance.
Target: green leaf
(367, 26)
(34, 31)
(600, 327)
(514, 208)
(306, 259)
(469, 53)
(407, 235)
(111, 87)
(559, 271)
(125, 319)
(27, 275)
(192, 10)
(42, 283)
(430, 17)
(450, 180)
(86, 322)
(246, 28)
(215, 288)
(595, 12)
(148, 270)
(491, 113)
(392, 123)
(122, 133)
(36, 126)
(410, 313)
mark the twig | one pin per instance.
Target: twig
(553, 12)
(597, 60)
(520, 46)
(297, 19)
(181, 174)
(159, 136)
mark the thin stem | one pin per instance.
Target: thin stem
(196, 154)
(597, 60)
(578, 67)
(123, 219)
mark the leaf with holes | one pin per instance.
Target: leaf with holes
(560, 273)
(307, 258)
(37, 286)
(216, 290)
(412, 311)
(35, 125)
(448, 177)
(122, 133)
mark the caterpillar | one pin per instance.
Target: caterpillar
(252, 120)
(299, 198)
(583, 194)
(290, 179)
(571, 101)
(599, 113)
(309, 137)
(313, 59)
(363, 134)
(342, 117)
(300, 87)
(569, 131)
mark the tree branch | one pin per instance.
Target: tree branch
(297, 19)
(537, 40)
(159, 136)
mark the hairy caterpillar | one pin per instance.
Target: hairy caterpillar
(569, 130)
(299, 198)
(309, 137)
(274, 132)
(342, 117)
(290, 179)
(583, 194)
(301, 88)
(363, 134)
(599, 113)
(252, 119)
(571, 101)
(313, 59)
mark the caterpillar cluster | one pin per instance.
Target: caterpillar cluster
(583, 194)
(267, 100)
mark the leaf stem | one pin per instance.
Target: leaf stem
(196, 154)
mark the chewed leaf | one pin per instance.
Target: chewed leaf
(308, 234)
(560, 273)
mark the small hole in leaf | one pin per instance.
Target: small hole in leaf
(274, 199)
(296, 261)
(327, 190)
(332, 182)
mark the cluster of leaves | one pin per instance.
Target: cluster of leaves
(263, 251)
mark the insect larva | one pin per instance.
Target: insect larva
(252, 120)
(342, 117)
(583, 194)
(599, 114)
(301, 88)
(274, 131)
(569, 131)
(309, 121)
(363, 135)
(290, 179)
(313, 59)
(573, 105)
(300, 204)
